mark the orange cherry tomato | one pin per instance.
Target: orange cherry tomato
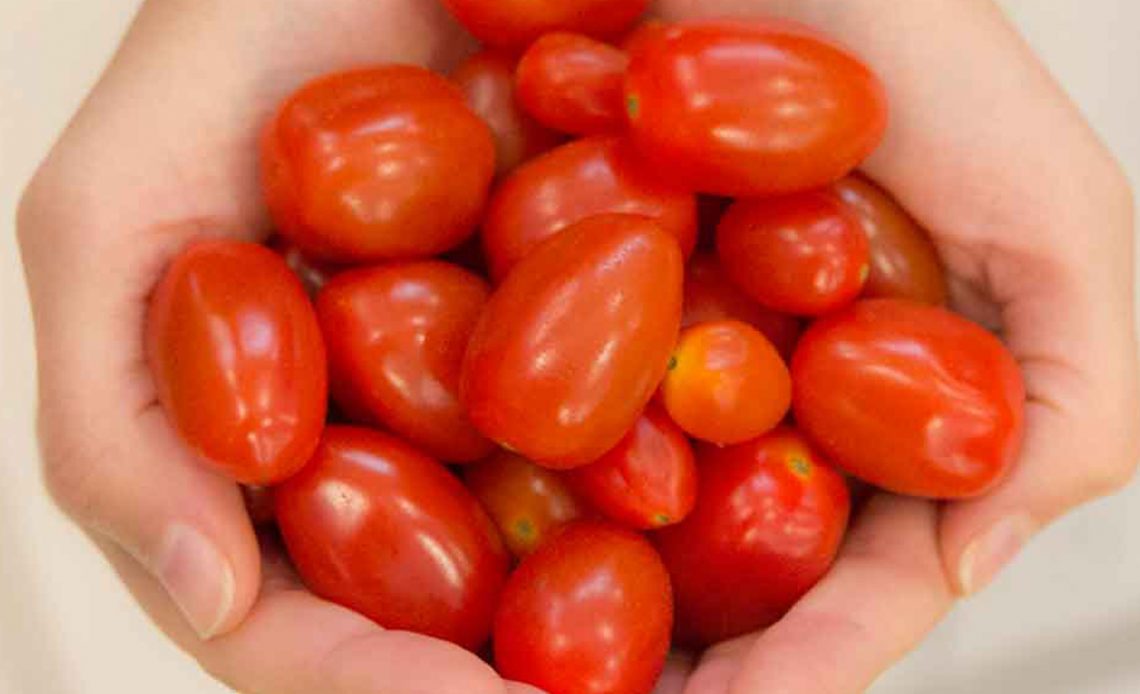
(904, 262)
(769, 520)
(526, 501)
(589, 613)
(374, 525)
(487, 80)
(237, 359)
(710, 296)
(804, 254)
(726, 383)
(396, 335)
(591, 176)
(573, 344)
(573, 84)
(517, 23)
(361, 166)
(751, 107)
(911, 398)
(648, 480)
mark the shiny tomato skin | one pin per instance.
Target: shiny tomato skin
(710, 296)
(237, 359)
(751, 107)
(359, 166)
(312, 273)
(590, 612)
(573, 84)
(648, 480)
(911, 398)
(804, 254)
(591, 176)
(769, 520)
(396, 335)
(487, 80)
(517, 23)
(726, 383)
(572, 345)
(527, 502)
(377, 526)
(904, 262)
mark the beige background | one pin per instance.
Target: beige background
(1064, 619)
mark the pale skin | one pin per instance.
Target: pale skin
(1031, 214)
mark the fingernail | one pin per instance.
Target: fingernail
(197, 577)
(991, 550)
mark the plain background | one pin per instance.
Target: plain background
(1064, 619)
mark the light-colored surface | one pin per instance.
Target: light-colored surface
(1064, 619)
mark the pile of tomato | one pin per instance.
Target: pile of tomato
(606, 321)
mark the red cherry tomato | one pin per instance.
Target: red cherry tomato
(804, 253)
(571, 347)
(726, 383)
(526, 501)
(374, 525)
(769, 519)
(237, 359)
(904, 262)
(648, 480)
(396, 335)
(516, 23)
(754, 107)
(591, 176)
(312, 273)
(589, 613)
(910, 398)
(487, 80)
(361, 166)
(632, 40)
(710, 296)
(573, 84)
(258, 504)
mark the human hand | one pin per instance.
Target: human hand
(1030, 213)
(1033, 220)
(165, 150)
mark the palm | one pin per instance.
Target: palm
(178, 116)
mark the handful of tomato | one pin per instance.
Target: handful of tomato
(592, 397)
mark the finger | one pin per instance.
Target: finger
(337, 651)
(886, 590)
(678, 667)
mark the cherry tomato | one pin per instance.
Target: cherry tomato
(517, 23)
(904, 263)
(648, 480)
(803, 253)
(769, 519)
(639, 33)
(312, 273)
(710, 296)
(396, 335)
(374, 525)
(573, 84)
(487, 80)
(361, 166)
(910, 397)
(751, 107)
(726, 383)
(237, 359)
(572, 345)
(568, 184)
(589, 613)
(526, 501)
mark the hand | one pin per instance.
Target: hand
(1034, 221)
(164, 150)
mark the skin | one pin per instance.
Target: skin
(999, 197)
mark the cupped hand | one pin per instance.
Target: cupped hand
(1030, 213)
(1034, 222)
